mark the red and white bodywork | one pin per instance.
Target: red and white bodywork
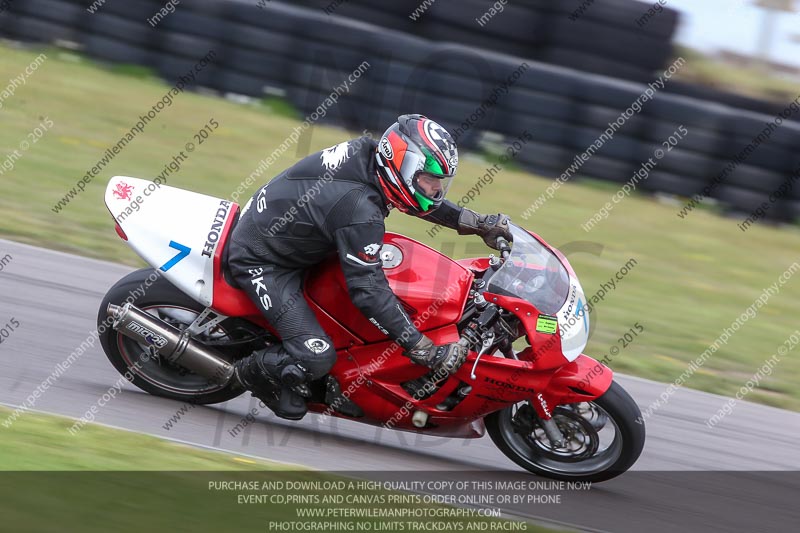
(176, 231)
(183, 234)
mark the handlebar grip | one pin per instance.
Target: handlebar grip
(504, 247)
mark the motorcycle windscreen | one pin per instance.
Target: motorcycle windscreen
(532, 272)
(535, 274)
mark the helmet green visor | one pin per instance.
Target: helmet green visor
(430, 189)
(429, 184)
(432, 165)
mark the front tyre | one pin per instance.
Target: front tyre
(602, 438)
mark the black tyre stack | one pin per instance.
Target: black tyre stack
(518, 31)
(260, 51)
(690, 136)
(604, 39)
(44, 20)
(195, 30)
(541, 104)
(474, 74)
(764, 169)
(391, 15)
(119, 32)
(328, 51)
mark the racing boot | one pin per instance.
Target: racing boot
(277, 380)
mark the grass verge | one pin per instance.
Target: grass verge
(104, 479)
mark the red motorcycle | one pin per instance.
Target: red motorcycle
(175, 329)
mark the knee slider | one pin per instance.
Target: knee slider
(320, 364)
(315, 355)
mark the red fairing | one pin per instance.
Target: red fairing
(545, 348)
(434, 290)
(228, 300)
(431, 287)
(476, 264)
(581, 380)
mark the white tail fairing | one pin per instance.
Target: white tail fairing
(175, 231)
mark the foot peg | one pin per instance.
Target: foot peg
(295, 377)
(338, 401)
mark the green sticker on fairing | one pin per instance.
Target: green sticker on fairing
(546, 324)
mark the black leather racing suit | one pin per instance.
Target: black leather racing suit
(329, 202)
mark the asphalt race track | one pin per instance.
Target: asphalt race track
(689, 476)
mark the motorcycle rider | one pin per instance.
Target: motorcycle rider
(335, 201)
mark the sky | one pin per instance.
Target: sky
(734, 25)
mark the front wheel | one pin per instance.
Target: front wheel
(602, 438)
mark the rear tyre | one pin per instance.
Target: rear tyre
(156, 375)
(603, 438)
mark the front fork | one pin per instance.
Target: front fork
(526, 419)
(583, 380)
(554, 434)
(545, 419)
(541, 411)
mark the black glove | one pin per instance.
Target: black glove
(490, 227)
(448, 357)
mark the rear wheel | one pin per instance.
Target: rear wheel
(233, 338)
(602, 438)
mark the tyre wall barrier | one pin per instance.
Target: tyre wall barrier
(305, 54)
